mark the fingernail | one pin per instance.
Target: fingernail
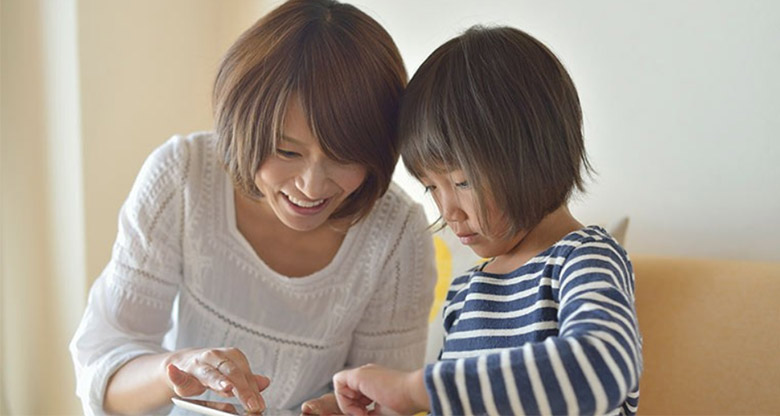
(310, 408)
(224, 384)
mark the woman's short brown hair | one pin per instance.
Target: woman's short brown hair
(348, 74)
(498, 104)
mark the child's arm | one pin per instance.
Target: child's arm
(592, 366)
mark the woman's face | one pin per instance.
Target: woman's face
(459, 207)
(301, 184)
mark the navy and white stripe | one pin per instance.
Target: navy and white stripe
(559, 335)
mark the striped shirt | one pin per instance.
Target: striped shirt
(559, 335)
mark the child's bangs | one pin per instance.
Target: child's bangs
(428, 150)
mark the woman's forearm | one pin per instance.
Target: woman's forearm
(139, 386)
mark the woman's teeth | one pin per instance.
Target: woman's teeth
(304, 204)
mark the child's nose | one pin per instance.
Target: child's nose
(455, 215)
(451, 212)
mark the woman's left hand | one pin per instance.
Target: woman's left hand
(323, 405)
(398, 391)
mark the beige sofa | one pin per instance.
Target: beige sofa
(711, 332)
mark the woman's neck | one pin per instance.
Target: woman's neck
(553, 227)
(289, 252)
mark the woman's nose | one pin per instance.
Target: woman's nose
(312, 181)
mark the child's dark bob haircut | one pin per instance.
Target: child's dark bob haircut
(496, 103)
(349, 76)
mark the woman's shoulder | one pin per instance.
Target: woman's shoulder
(182, 165)
(184, 149)
(395, 208)
(182, 157)
(396, 219)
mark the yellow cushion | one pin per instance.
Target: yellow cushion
(444, 272)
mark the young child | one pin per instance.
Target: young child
(274, 247)
(492, 127)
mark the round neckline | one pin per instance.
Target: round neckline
(346, 244)
(544, 253)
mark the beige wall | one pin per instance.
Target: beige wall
(146, 73)
(39, 303)
(89, 88)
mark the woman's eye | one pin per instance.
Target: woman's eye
(463, 185)
(286, 153)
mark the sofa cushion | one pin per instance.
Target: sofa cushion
(711, 335)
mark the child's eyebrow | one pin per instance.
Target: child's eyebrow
(291, 140)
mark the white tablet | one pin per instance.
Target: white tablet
(214, 408)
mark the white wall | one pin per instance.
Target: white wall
(681, 102)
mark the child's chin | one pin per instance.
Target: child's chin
(485, 254)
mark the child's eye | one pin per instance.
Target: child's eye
(429, 188)
(286, 153)
(463, 185)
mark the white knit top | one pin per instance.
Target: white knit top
(181, 275)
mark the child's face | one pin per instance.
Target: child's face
(459, 207)
(301, 184)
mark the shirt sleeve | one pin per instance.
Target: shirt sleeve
(393, 330)
(129, 306)
(591, 367)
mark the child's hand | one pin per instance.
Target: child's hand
(323, 405)
(398, 391)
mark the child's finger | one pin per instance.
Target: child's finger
(323, 405)
(365, 401)
(377, 410)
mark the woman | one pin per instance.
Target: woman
(272, 253)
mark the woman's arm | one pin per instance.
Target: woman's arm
(150, 381)
(139, 386)
(117, 350)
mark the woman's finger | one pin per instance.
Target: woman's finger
(184, 385)
(262, 382)
(209, 376)
(243, 384)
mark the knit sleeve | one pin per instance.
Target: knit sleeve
(591, 367)
(129, 306)
(393, 330)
